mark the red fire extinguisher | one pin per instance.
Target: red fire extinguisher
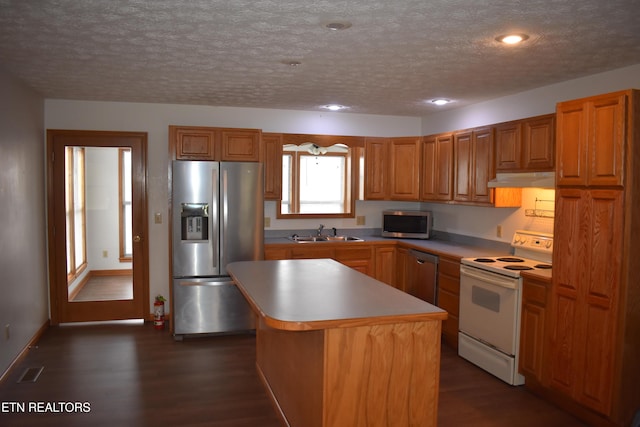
(158, 312)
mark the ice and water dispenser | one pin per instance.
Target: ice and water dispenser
(195, 221)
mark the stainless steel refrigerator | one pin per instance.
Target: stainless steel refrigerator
(217, 218)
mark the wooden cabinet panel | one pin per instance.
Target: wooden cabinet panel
(375, 168)
(509, 146)
(586, 280)
(312, 252)
(463, 152)
(404, 173)
(592, 132)
(276, 253)
(193, 143)
(605, 142)
(360, 259)
(526, 145)
(437, 168)
(272, 158)
(209, 143)
(449, 297)
(533, 330)
(392, 169)
(239, 145)
(538, 143)
(483, 165)
(474, 165)
(386, 265)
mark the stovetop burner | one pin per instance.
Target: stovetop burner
(517, 267)
(510, 259)
(484, 260)
(543, 266)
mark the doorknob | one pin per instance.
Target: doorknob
(137, 238)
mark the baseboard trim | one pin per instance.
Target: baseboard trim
(36, 337)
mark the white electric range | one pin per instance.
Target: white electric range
(490, 303)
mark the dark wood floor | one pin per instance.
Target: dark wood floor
(134, 375)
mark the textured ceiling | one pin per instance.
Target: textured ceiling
(396, 55)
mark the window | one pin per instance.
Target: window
(126, 233)
(318, 181)
(75, 212)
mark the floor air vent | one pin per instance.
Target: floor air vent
(30, 375)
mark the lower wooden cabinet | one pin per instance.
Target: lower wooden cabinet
(533, 332)
(359, 258)
(449, 297)
(386, 265)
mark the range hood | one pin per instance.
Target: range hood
(524, 180)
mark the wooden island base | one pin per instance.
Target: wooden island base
(365, 376)
(332, 370)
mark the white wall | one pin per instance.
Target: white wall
(24, 302)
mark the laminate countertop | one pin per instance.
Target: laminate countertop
(308, 294)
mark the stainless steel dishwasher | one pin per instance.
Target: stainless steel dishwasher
(422, 276)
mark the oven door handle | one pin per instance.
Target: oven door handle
(490, 278)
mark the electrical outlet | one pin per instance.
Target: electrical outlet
(267, 221)
(360, 220)
(499, 231)
(105, 254)
(7, 332)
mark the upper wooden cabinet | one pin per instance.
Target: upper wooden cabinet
(240, 145)
(392, 169)
(376, 154)
(193, 143)
(437, 168)
(207, 143)
(272, 157)
(405, 169)
(592, 134)
(473, 165)
(526, 145)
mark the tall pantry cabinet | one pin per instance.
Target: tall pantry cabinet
(594, 351)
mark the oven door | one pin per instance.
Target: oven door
(489, 308)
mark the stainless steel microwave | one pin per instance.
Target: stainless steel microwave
(407, 224)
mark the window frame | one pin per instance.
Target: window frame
(123, 256)
(75, 186)
(356, 151)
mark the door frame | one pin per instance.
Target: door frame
(61, 310)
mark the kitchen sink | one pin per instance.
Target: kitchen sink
(316, 239)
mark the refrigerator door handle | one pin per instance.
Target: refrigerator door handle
(224, 212)
(206, 283)
(214, 231)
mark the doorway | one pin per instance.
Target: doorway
(97, 225)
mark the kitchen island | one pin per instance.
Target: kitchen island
(335, 347)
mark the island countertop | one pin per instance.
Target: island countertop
(310, 294)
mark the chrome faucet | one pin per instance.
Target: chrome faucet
(320, 230)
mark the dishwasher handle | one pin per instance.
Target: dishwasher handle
(422, 257)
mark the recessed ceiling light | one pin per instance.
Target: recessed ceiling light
(512, 38)
(338, 26)
(440, 101)
(334, 107)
